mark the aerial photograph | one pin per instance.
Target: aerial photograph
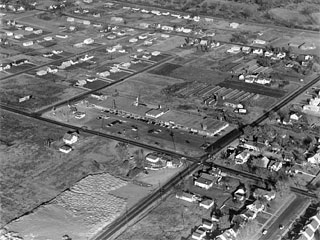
(160, 120)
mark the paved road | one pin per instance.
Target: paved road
(284, 219)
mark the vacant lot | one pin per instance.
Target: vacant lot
(43, 92)
(171, 219)
(165, 69)
(33, 173)
(189, 73)
(253, 88)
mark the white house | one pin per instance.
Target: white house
(65, 149)
(88, 41)
(234, 25)
(242, 158)
(207, 203)
(186, 197)
(199, 234)
(27, 44)
(259, 41)
(203, 183)
(70, 138)
(152, 158)
(315, 159)
(258, 51)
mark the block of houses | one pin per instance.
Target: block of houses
(65, 149)
(70, 138)
(203, 183)
(206, 203)
(186, 197)
(242, 157)
(308, 232)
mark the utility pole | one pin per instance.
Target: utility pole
(172, 136)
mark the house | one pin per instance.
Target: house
(70, 19)
(117, 19)
(153, 158)
(155, 113)
(203, 183)
(206, 203)
(240, 194)
(250, 145)
(229, 234)
(268, 195)
(295, 116)
(259, 41)
(41, 72)
(275, 166)
(167, 28)
(234, 49)
(27, 44)
(242, 157)
(70, 138)
(315, 159)
(199, 234)
(186, 197)
(258, 51)
(207, 224)
(98, 96)
(248, 214)
(65, 149)
(25, 98)
(88, 41)
(79, 115)
(86, 22)
(261, 162)
(257, 206)
(246, 50)
(234, 25)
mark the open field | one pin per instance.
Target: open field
(80, 211)
(50, 92)
(33, 173)
(171, 219)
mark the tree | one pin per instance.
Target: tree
(249, 231)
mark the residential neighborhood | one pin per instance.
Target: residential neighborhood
(161, 119)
